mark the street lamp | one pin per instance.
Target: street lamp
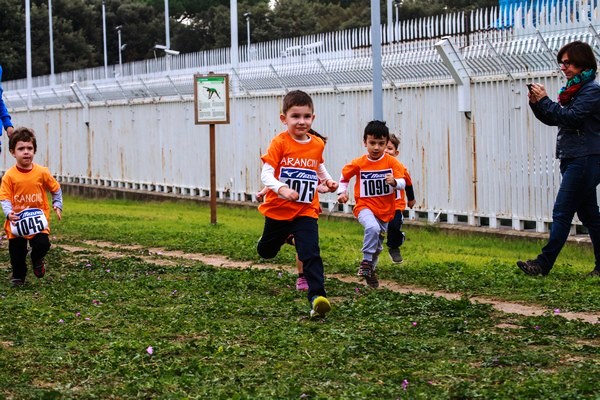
(167, 27)
(104, 36)
(168, 53)
(52, 80)
(121, 48)
(28, 53)
(247, 16)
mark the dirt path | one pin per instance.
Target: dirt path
(168, 257)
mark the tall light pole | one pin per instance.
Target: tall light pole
(167, 33)
(167, 36)
(234, 56)
(52, 80)
(247, 16)
(104, 38)
(377, 71)
(28, 53)
(118, 28)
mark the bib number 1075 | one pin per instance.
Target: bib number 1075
(31, 222)
(303, 181)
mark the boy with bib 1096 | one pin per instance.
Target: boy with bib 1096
(293, 166)
(378, 177)
(25, 204)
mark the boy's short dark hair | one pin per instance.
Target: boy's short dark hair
(22, 134)
(296, 98)
(395, 141)
(377, 129)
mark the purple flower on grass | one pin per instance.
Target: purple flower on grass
(404, 384)
(557, 311)
(78, 314)
(537, 327)
(150, 350)
(61, 321)
(414, 323)
(356, 290)
(88, 265)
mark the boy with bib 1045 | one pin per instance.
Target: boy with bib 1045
(25, 204)
(293, 166)
(378, 177)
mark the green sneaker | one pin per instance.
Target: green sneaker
(320, 307)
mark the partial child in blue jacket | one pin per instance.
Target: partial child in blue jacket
(4, 115)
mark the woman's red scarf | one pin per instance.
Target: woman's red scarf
(567, 92)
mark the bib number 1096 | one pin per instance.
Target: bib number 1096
(373, 184)
(31, 222)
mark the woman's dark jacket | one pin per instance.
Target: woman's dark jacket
(578, 121)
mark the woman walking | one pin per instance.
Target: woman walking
(577, 116)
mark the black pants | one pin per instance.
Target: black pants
(306, 237)
(17, 248)
(394, 240)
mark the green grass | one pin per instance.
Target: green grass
(457, 262)
(84, 330)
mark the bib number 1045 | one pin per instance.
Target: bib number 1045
(31, 222)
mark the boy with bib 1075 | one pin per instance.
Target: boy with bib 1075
(293, 166)
(378, 176)
(25, 204)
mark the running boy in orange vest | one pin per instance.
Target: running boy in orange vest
(378, 176)
(292, 168)
(25, 204)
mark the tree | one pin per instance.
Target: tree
(13, 27)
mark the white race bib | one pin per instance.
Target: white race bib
(373, 184)
(303, 181)
(31, 222)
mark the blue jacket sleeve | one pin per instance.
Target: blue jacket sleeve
(4, 116)
(585, 103)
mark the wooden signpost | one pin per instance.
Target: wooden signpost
(211, 106)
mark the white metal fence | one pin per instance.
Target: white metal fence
(491, 166)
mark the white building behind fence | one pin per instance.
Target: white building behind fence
(475, 152)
